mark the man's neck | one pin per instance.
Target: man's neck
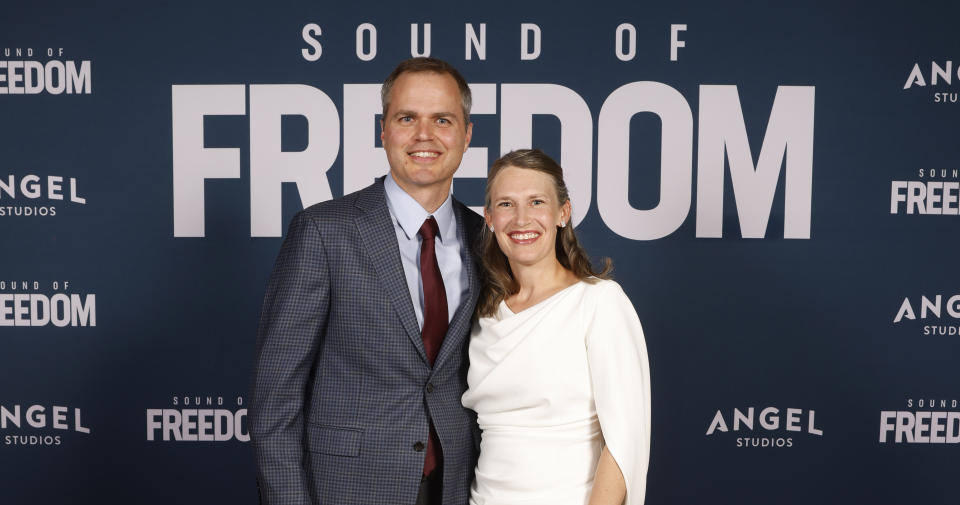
(429, 197)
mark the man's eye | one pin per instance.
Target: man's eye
(538, 202)
(406, 119)
(443, 121)
(503, 204)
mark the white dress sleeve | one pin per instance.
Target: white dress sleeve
(620, 374)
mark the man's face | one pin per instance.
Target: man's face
(424, 132)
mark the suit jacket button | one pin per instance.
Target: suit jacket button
(429, 387)
(418, 446)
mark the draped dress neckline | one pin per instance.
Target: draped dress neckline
(510, 312)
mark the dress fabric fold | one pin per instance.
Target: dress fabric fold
(551, 385)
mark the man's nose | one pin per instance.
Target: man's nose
(424, 130)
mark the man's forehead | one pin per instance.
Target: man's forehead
(425, 100)
(440, 96)
(414, 112)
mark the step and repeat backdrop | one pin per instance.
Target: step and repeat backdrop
(778, 187)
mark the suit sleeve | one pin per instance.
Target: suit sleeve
(620, 373)
(292, 324)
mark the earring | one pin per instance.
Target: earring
(491, 228)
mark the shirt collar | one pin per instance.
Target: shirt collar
(410, 215)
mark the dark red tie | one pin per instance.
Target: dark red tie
(434, 319)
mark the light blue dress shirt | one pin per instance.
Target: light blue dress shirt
(408, 216)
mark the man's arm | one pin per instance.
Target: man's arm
(292, 323)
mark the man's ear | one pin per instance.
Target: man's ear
(466, 142)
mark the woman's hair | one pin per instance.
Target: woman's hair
(499, 282)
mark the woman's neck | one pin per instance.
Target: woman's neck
(538, 282)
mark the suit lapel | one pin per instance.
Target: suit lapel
(460, 324)
(380, 243)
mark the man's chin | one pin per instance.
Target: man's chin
(430, 176)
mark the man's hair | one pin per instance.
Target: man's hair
(428, 65)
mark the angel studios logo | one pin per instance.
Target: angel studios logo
(930, 315)
(199, 418)
(935, 78)
(922, 421)
(39, 425)
(764, 427)
(37, 196)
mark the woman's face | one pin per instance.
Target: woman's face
(525, 213)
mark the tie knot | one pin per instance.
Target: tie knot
(429, 229)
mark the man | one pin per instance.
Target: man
(361, 349)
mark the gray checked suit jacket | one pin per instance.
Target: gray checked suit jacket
(342, 390)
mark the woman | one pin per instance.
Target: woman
(558, 366)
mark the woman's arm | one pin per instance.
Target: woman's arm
(620, 373)
(609, 487)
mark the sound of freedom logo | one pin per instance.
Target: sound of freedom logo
(199, 419)
(768, 427)
(937, 76)
(39, 425)
(925, 421)
(34, 195)
(932, 191)
(33, 303)
(933, 309)
(26, 75)
(697, 184)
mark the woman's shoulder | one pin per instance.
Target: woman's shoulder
(605, 296)
(602, 287)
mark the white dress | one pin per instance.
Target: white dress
(551, 385)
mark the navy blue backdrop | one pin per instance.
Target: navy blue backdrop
(776, 184)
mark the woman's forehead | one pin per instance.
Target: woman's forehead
(512, 181)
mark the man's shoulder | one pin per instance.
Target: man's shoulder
(345, 207)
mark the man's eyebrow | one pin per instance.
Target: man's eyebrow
(402, 113)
